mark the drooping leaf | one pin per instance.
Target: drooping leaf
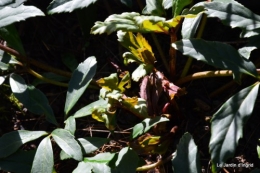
(11, 3)
(11, 142)
(233, 14)
(61, 6)
(125, 157)
(33, 99)
(187, 156)
(227, 125)
(131, 22)
(9, 15)
(70, 125)
(254, 43)
(145, 125)
(19, 162)
(87, 110)
(178, 6)
(80, 80)
(190, 26)
(67, 143)
(154, 7)
(11, 36)
(43, 161)
(138, 108)
(216, 54)
(91, 144)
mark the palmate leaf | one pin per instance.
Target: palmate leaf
(216, 54)
(232, 14)
(133, 22)
(43, 161)
(227, 125)
(80, 80)
(9, 15)
(11, 142)
(187, 156)
(61, 6)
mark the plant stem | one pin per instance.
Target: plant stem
(199, 34)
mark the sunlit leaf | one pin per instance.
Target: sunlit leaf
(87, 110)
(109, 83)
(12, 141)
(131, 22)
(107, 117)
(61, 6)
(70, 125)
(9, 15)
(154, 7)
(32, 98)
(91, 144)
(85, 167)
(126, 156)
(43, 161)
(141, 71)
(64, 156)
(67, 143)
(258, 150)
(145, 125)
(19, 162)
(187, 156)
(190, 26)
(253, 43)
(227, 125)
(139, 109)
(80, 80)
(125, 82)
(178, 6)
(216, 54)
(11, 3)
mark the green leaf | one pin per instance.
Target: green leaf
(100, 158)
(2, 79)
(132, 22)
(70, 125)
(87, 110)
(145, 125)
(138, 107)
(258, 150)
(187, 156)
(67, 143)
(253, 43)
(43, 161)
(70, 61)
(141, 71)
(11, 36)
(19, 162)
(109, 83)
(85, 167)
(216, 54)
(190, 26)
(178, 6)
(227, 125)
(80, 80)
(11, 142)
(154, 7)
(233, 14)
(127, 160)
(64, 156)
(11, 3)
(49, 75)
(61, 6)
(9, 15)
(91, 144)
(33, 99)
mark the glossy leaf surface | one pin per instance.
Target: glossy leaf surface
(187, 156)
(32, 98)
(79, 81)
(70, 125)
(61, 6)
(253, 43)
(227, 125)
(11, 3)
(43, 161)
(11, 142)
(67, 143)
(216, 54)
(91, 144)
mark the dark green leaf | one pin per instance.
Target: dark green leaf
(253, 43)
(187, 156)
(227, 125)
(33, 99)
(216, 54)
(127, 160)
(87, 110)
(43, 161)
(9, 15)
(70, 61)
(80, 80)
(145, 125)
(67, 143)
(178, 6)
(70, 125)
(19, 162)
(128, 3)
(91, 144)
(11, 142)
(61, 6)
(49, 75)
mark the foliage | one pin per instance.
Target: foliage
(150, 135)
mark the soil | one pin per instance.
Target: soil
(48, 39)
